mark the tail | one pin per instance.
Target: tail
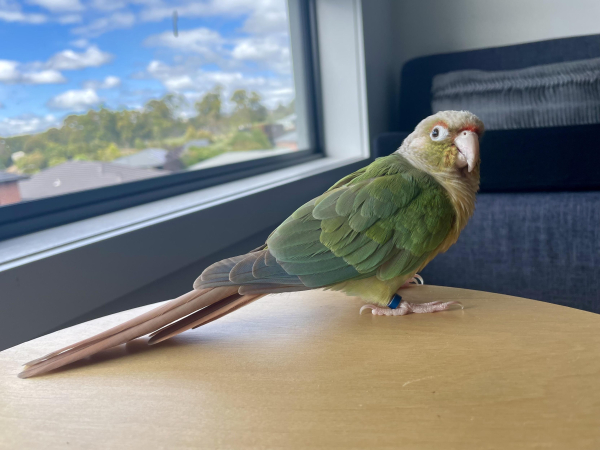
(191, 310)
(222, 288)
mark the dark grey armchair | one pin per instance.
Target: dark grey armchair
(536, 229)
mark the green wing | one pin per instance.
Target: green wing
(384, 220)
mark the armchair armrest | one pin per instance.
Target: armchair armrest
(387, 143)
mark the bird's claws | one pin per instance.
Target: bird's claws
(456, 303)
(371, 307)
(408, 308)
(417, 279)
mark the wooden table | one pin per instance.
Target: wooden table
(306, 371)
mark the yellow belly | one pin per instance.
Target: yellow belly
(372, 290)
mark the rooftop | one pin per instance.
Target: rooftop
(291, 136)
(74, 176)
(196, 143)
(145, 159)
(6, 177)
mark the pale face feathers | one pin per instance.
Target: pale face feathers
(445, 142)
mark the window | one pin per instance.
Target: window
(105, 105)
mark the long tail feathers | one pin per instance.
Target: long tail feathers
(191, 310)
(202, 317)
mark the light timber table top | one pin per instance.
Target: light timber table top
(306, 371)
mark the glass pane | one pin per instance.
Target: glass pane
(96, 93)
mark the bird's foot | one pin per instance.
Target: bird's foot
(416, 279)
(407, 308)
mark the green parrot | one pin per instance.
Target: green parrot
(367, 236)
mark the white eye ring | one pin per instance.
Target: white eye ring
(438, 133)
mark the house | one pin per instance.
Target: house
(288, 122)
(150, 158)
(200, 143)
(9, 188)
(75, 176)
(155, 158)
(273, 131)
(287, 140)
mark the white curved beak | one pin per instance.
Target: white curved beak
(467, 143)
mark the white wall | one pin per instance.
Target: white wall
(425, 27)
(380, 61)
(438, 26)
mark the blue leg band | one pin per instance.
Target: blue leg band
(394, 302)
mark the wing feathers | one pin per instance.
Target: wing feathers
(382, 220)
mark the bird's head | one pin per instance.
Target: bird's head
(447, 142)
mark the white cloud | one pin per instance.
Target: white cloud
(182, 78)
(111, 82)
(80, 43)
(111, 5)
(8, 71)
(70, 19)
(263, 16)
(11, 12)
(267, 17)
(108, 83)
(102, 25)
(26, 124)
(75, 100)
(270, 51)
(198, 40)
(156, 11)
(194, 82)
(11, 73)
(44, 77)
(71, 60)
(58, 5)
(14, 72)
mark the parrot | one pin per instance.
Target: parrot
(367, 236)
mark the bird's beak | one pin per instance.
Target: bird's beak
(467, 143)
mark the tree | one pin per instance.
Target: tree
(283, 111)
(248, 109)
(258, 111)
(103, 134)
(253, 139)
(159, 116)
(108, 153)
(32, 163)
(209, 109)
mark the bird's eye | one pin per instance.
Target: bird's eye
(438, 133)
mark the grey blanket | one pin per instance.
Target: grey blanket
(540, 96)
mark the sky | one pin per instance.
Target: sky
(60, 57)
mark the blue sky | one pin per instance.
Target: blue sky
(67, 56)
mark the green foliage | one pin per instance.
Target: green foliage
(248, 108)
(282, 111)
(253, 139)
(32, 162)
(109, 153)
(195, 155)
(209, 109)
(104, 135)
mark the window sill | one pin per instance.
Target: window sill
(51, 277)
